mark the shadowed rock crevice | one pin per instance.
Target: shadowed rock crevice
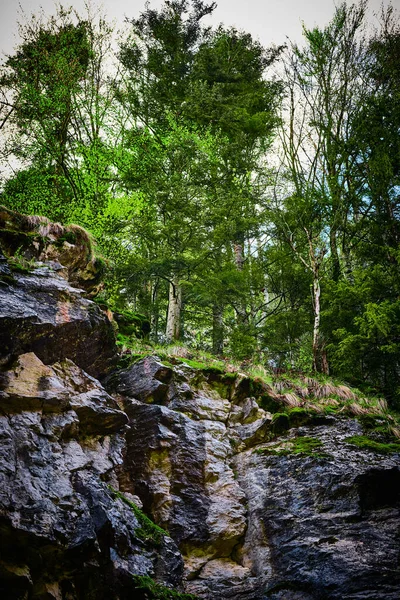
(379, 489)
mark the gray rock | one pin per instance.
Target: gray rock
(184, 445)
(63, 532)
(260, 527)
(146, 380)
(42, 313)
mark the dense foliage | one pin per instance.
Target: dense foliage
(247, 199)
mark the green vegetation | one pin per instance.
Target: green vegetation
(306, 446)
(366, 443)
(156, 591)
(166, 152)
(293, 399)
(147, 529)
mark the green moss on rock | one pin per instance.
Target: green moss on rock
(156, 591)
(307, 446)
(147, 530)
(366, 443)
(280, 423)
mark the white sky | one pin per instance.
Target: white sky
(271, 21)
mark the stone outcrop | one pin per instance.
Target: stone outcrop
(248, 504)
(41, 310)
(31, 238)
(64, 532)
(254, 523)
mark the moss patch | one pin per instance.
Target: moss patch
(156, 591)
(147, 530)
(280, 423)
(366, 443)
(303, 445)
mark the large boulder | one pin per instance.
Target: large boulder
(41, 312)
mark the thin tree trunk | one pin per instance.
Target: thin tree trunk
(239, 259)
(334, 255)
(173, 331)
(154, 312)
(317, 318)
(238, 248)
(218, 330)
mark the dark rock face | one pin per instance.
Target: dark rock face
(40, 312)
(193, 448)
(259, 526)
(43, 305)
(330, 531)
(63, 533)
(148, 381)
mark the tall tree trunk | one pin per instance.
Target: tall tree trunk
(238, 249)
(173, 331)
(218, 329)
(317, 318)
(239, 259)
(154, 312)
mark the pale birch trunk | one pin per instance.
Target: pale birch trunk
(173, 330)
(317, 318)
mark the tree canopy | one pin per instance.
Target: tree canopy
(246, 198)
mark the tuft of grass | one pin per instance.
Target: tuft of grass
(147, 530)
(20, 264)
(366, 443)
(157, 591)
(260, 372)
(202, 366)
(316, 395)
(306, 446)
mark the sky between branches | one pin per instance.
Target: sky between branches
(271, 21)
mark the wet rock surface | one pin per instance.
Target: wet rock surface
(64, 533)
(45, 282)
(257, 525)
(41, 312)
(198, 450)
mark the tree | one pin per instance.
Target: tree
(212, 85)
(362, 316)
(62, 108)
(326, 89)
(230, 94)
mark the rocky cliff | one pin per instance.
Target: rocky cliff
(167, 481)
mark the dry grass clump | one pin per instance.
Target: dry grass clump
(290, 400)
(345, 392)
(323, 390)
(395, 431)
(356, 410)
(280, 385)
(302, 392)
(383, 405)
(10, 219)
(330, 402)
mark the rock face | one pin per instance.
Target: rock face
(258, 526)
(64, 532)
(257, 507)
(41, 309)
(41, 312)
